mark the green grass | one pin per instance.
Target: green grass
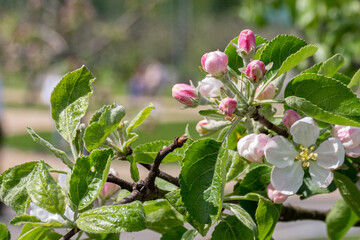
(147, 132)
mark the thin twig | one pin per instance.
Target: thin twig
(164, 175)
(122, 183)
(71, 233)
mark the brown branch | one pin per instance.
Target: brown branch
(122, 183)
(71, 233)
(269, 125)
(163, 175)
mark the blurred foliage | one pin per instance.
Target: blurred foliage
(116, 39)
(332, 24)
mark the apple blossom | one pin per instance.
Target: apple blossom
(185, 94)
(209, 126)
(287, 176)
(215, 63)
(210, 87)
(350, 138)
(252, 147)
(109, 188)
(255, 70)
(228, 106)
(246, 44)
(290, 116)
(268, 93)
(274, 195)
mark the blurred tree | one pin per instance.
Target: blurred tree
(334, 24)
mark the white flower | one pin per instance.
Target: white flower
(287, 176)
(210, 87)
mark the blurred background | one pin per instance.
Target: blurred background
(137, 49)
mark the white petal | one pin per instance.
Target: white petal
(353, 152)
(288, 180)
(321, 177)
(331, 153)
(305, 131)
(280, 152)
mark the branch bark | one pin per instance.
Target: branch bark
(70, 234)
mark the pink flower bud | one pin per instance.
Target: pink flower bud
(247, 43)
(210, 87)
(252, 147)
(255, 70)
(109, 189)
(209, 126)
(349, 136)
(228, 106)
(215, 63)
(185, 94)
(268, 93)
(290, 116)
(275, 196)
(201, 127)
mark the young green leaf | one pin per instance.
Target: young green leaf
(332, 65)
(113, 219)
(35, 222)
(161, 216)
(267, 215)
(4, 232)
(279, 49)
(38, 233)
(88, 177)
(134, 171)
(256, 180)
(45, 192)
(189, 235)
(235, 165)
(57, 152)
(339, 220)
(109, 120)
(140, 118)
(231, 228)
(69, 101)
(297, 57)
(342, 78)
(308, 188)
(103, 236)
(244, 217)
(13, 186)
(202, 179)
(313, 69)
(348, 191)
(323, 98)
(355, 82)
(174, 233)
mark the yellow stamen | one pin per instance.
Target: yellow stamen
(306, 155)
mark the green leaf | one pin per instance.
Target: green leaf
(78, 141)
(13, 186)
(314, 69)
(339, 220)
(140, 118)
(308, 188)
(355, 82)
(323, 98)
(174, 233)
(109, 236)
(38, 233)
(267, 214)
(45, 192)
(122, 194)
(175, 200)
(332, 65)
(235, 61)
(4, 232)
(165, 185)
(134, 171)
(34, 221)
(88, 177)
(342, 78)
(109, 120)
(256, 180)
(294, 59)
(161, 216)
(202, 179)
(348, 191)
(211, 113)
(235, 165)
(57, 152)
(231, 228)
(189, 235)
(69, 101)
(279, 49)
(244, 217)
(113, 219)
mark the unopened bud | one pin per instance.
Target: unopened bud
(210, 87)
(275, 196)
(228, 106)
(350, 138)
(215, 63)
(255, 70)
(268, 93)
(109, 189)
(246, 44)
(290, 116)
(209, 126)
(185, 94)
(252, 147)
